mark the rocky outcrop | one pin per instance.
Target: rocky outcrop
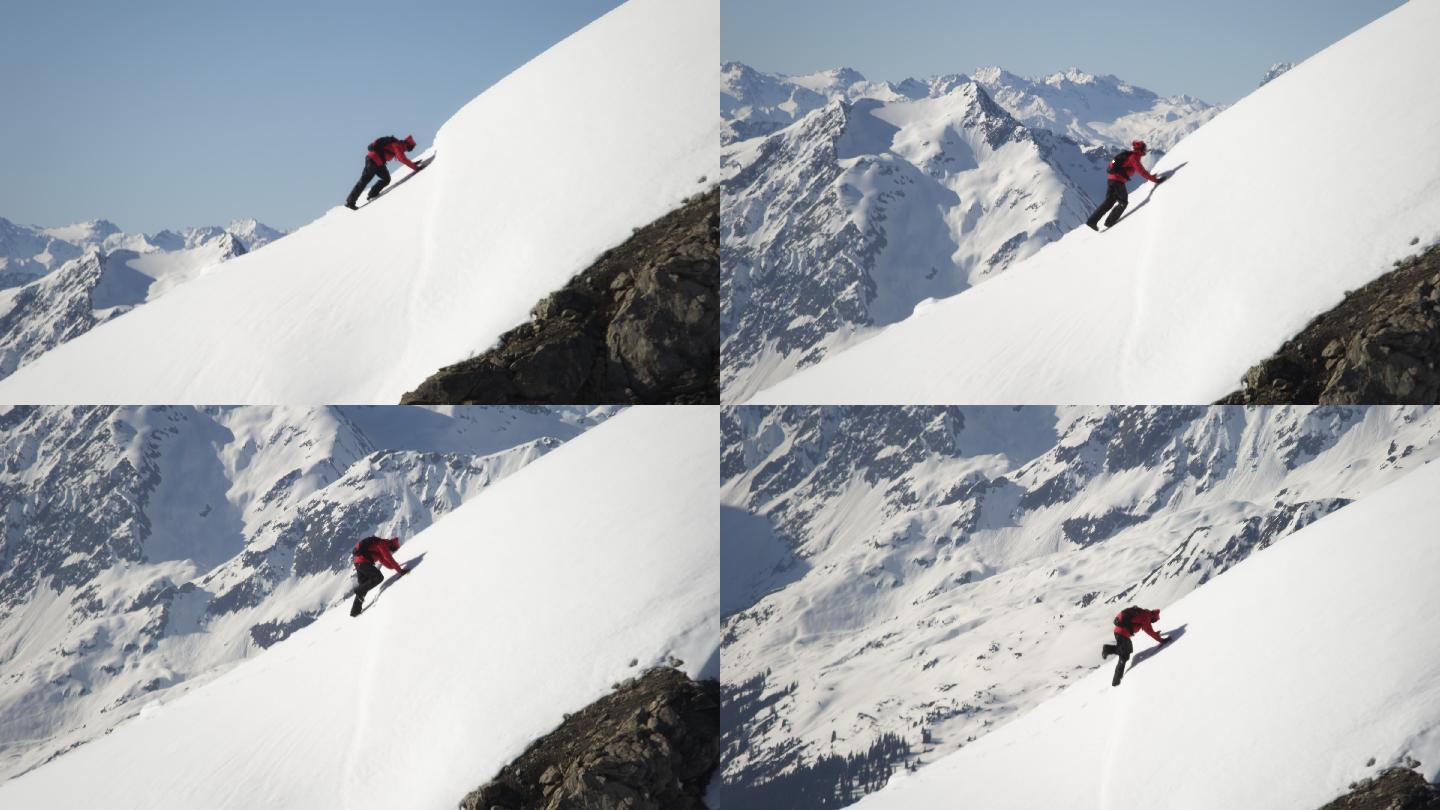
(641, 325)
(652, 744)
(1380, 346)
(1395, 789)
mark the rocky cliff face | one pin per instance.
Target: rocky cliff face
(1395, 789)
(652, 744)
(1380, 345)
(641, 325)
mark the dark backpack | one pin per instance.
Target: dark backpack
(364, 548)
(379, 145)
(1120, 164)
(1127, 618)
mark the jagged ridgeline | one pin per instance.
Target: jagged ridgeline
(898, 582)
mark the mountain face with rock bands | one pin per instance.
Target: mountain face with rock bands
(146, 549)
(846, 203)
(897, 581)
(58, 283)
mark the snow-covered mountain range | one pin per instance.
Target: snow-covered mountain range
(1262, 700)
(58, 283)
(29, 252)
(1259, 229)
(146, 549)
(920, 575)
(846, 202)
(516, 612)
(532, 181)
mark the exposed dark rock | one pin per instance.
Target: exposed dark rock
(1395, 789)
(641, 325)
(650, 745)
(1380, 346)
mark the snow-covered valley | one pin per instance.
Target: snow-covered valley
(899, 582)
(148, 548)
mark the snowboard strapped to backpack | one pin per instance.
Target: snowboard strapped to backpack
(379, 145)
(1120, 164)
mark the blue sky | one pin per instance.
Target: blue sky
(168, 113)
(1217, 50)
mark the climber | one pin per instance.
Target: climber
(1127, 622)
(366, 554)
(382, 151)
(1115, 194)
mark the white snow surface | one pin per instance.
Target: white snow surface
(534, 179)
(1281, 689)
(1266, 223)
(516, 612)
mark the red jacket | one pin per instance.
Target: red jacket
(377, 550)
(396, 151)
(1141, 621)
(1132, 164)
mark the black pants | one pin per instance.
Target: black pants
(369, 577)
(1116, 195)
(371, 170)
(1122, 647)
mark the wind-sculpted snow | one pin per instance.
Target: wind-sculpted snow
(927, 573)
(1262, 700)
(515, 613)
(532, 180)
(1261, 226)
(147, 548)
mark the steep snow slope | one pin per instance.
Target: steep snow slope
(533, 179)
(1266, 223)
(516, 612)
(147, 548)
(848, 202)
(934, 572)
(1286, 682)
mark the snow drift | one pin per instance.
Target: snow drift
(1294, 670)
(1307, 188)
(537, 176)
(516, 612)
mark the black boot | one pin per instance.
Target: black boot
(358, 605)
(1106, 651)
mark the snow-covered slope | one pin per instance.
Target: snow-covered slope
(1265, 224)
(928, 574)
(1295, 672)
(863, 199)
(516, 612)
(147, 548)
(533, 179)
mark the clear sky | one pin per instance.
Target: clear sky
(168, 113)
(1217, 50)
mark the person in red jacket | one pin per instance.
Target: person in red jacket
(1127, 622)
(368, 553)
(1121, 167)
(382, 151)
